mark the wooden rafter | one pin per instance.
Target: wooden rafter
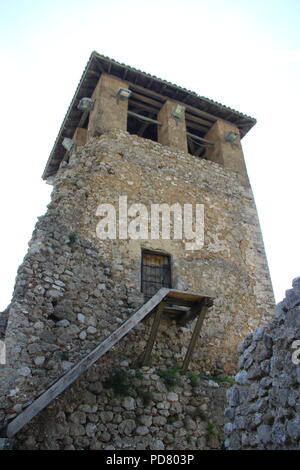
(144, 118)
(197, 127)
(151, 88)
(145, 99)
(204, 122)
(142, 105)
(204, 141)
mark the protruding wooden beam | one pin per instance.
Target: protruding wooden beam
(198, 120)
(193, 341)
(153, 333)
(141, 105)
(145, 99)
(208, 302)
(205, 141)
(162, 98)
(144, 118)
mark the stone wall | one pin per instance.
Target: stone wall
(150, 416)
(73, 289)
(231, 266)
(264, 405)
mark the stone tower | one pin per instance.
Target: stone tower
(130, 139)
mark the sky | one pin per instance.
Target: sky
(244, 54)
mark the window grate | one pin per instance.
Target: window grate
(156, 272)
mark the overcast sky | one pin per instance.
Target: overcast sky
(244, 54)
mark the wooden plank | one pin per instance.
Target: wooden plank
(153, 333)
(186, 295)
(69, 377)
(194, 338)
(144, 118)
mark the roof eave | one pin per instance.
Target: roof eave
(104, 64)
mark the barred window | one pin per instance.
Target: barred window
(156, 272)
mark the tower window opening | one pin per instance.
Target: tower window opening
(137, 109)
(156, 272)
(196, 129)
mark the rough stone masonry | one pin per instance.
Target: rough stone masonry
(264, 405)
(73, 289)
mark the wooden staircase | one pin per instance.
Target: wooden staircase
(164, 301)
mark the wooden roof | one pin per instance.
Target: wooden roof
(161, 89)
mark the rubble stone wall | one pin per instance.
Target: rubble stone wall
(73, 289)
(264, 405)
(92, 417)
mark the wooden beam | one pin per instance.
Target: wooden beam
(162, 98)
(194, 146)
(83, 365)
(144, 118)
(143, 98)
(194, 338)
(153, 333)
(186, 295)
(190, 117)
(205, 141)
(197, 148)
(99, 66)
(141, 105)
(198, 127)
